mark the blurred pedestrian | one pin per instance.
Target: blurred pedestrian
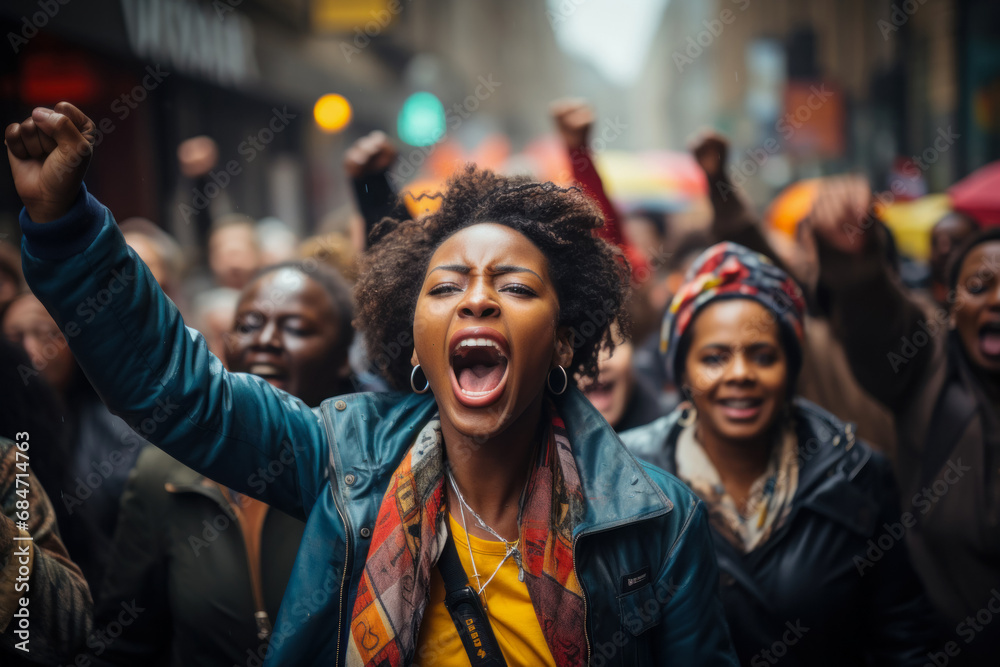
(278, 242)
(103, 448)
(938, 373)
(161, 253)
(471, 308)
(11, 278)
(234, 253)
(947, 235)
(212, 314)
(794, 498)
(207, 564)
(367, 162)
(623, 397)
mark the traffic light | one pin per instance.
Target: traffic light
(422, 120)
(332, 113)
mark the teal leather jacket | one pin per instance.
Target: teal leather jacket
(642, 552)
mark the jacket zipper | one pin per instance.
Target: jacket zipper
(261, 618)
(595, 531)
(586, 631)
(262, 623)
(347, 546)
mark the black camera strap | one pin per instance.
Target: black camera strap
(467, 611)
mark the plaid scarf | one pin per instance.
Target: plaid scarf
(410, 534)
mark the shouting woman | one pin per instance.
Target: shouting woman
(484, 310)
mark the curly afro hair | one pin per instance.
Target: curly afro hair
(591, 276)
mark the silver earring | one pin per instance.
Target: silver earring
(565, 381)
(413, 385)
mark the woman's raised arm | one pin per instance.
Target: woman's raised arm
(131, 342)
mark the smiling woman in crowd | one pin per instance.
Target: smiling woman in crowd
(207, 564)
(493, 473)
(794, 499)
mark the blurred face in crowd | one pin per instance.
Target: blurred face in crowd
(736, 370)
(947, 235)
(611, 392)
(150, 255)
(234, 255)
(28, 325)
(976, 315)
(485, 328)
(286, 331)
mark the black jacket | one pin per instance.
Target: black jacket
(178, 590)
(834, 585)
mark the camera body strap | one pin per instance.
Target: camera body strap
(467, 611)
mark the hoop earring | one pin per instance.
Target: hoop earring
(688, 417)
(413, 385)
(565, 381)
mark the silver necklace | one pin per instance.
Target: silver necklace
(511, 549)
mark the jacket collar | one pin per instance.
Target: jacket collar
(181, 479)
(830, 457)
(380, 428)
(618, 489)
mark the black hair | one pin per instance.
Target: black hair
(958, 258)
(590, 276)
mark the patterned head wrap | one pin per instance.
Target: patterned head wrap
(726, 271)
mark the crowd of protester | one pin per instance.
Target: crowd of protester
(797, 478)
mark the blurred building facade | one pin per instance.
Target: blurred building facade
(905, 90)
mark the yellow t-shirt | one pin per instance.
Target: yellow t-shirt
(508, 607)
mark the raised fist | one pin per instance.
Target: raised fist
(371, 154)
(573, 118)
(710, 150)
(49, 152)
(841, 214)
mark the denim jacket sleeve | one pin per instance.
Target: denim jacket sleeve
(158, 375)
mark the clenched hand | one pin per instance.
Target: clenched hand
(49, 152)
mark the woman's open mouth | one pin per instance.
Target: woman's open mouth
(989, 340)
(741, 409)
(478, 366)
(601, 394)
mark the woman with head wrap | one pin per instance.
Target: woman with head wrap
(795, 500)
